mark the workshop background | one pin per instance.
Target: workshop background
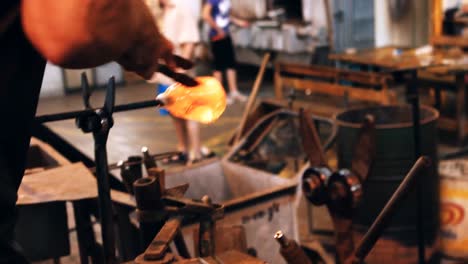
(332, 84)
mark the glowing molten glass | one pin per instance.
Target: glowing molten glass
(204, 103)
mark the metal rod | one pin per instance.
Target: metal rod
(159, 156)
(414, 100)
(105, 202)
(177, 76)
(117, 108)
(383, 219)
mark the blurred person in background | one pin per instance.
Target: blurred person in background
(72, 34)
(217, 14)
(179, 25)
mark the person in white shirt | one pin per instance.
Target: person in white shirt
(179, 25)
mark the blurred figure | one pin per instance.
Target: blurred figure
(217, 13)
(180, 26)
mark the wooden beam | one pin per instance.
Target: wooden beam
(436, 17)
(308, 70)
(451, 41)
(358, 93)
(314, 86)
(278, 82)
(252, 97)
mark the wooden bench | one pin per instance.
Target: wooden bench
(363, 86)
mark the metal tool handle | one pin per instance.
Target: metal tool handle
(75, 114)
(101, 124)
(86, 92)
(311, 140)
(290, 250)
(177, 76)
(381, 222)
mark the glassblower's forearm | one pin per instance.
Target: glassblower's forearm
(86, 33)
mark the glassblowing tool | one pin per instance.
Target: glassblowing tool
(381, 222)
(342, 190)
(290, 250)
(99, 122)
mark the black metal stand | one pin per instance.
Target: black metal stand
(413, 98)
(99, 122)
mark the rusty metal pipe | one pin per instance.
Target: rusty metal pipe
(148, 159)
(150, 208)
(75, 114)
(381, 222)
(147, 194)
(135, 167)
(290, 250)
(206, 244)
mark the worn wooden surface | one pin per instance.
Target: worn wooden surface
(160, 243)
(66, 183)
(379, 57)
(366, 86)
(236, 257)
(450, 41)
(47, 149)
(451, 69)
(384, 58)
(226, 238)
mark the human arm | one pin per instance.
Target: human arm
(186, 50)
(239, 22)
(206, 14)
(87, 33)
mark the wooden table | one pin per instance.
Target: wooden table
(439, 63)
(385, 58)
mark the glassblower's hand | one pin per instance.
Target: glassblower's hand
(143, 58)
(148, 50)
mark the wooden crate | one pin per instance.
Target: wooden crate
(260, 202)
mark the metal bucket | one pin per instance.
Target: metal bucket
(394, 157)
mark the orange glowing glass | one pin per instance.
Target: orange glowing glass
(204, 103)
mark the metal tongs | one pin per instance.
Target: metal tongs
(177, 76)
